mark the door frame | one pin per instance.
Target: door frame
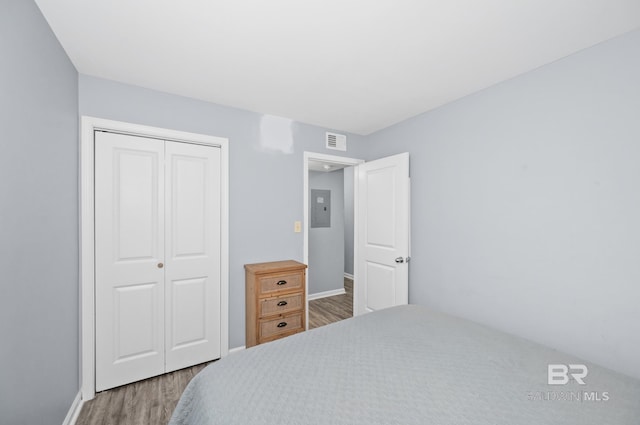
(329, 159)
(87, 232)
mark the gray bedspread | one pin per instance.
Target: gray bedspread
(404, 365)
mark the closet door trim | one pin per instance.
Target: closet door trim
(89, 125)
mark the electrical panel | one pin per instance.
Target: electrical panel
(320, 208)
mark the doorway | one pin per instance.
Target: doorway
(329, 235)
(381, 211)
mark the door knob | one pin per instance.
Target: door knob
(160, 265)
(399, 260)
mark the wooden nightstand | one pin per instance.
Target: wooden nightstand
(275, 300)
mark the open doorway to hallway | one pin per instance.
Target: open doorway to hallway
(330, 238)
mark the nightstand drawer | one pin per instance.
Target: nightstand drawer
(280, 325)
(280, 305)
(288, 282)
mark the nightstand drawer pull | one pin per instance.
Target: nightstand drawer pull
(282, 303)
(281, 282)
(282, 324)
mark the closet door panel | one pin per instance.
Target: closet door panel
(192, 244)
(129, 242)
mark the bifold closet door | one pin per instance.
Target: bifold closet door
(157, 218)
(192, 252)
(129, 238)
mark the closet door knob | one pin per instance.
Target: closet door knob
(160, 265)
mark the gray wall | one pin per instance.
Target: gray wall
(266, 170)
(348, 220)
(526, 204)
(38, 220)
(326, 244)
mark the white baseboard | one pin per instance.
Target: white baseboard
(74, 410)
(326, 294)
(236, 349)
(348, 275)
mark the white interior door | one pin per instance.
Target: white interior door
(383, 234)
(192, 304)
(129, 220)
(158, 254)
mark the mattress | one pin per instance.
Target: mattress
(406, 365)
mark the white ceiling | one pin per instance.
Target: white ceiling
(348, 65)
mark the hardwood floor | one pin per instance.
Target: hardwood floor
(148, 402)
(332, 309)
(151, 402)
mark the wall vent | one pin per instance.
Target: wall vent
(336, 142)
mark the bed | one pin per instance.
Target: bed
(404, 365)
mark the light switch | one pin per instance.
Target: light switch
(297, 226)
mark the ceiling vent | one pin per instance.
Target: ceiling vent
(336, 142)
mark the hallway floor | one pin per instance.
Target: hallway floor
(328, 310)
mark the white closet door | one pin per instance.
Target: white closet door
(192, 247)
(129, 220)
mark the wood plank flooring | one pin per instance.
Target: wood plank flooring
(332, 309)
(151, 402)
(148, 402)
